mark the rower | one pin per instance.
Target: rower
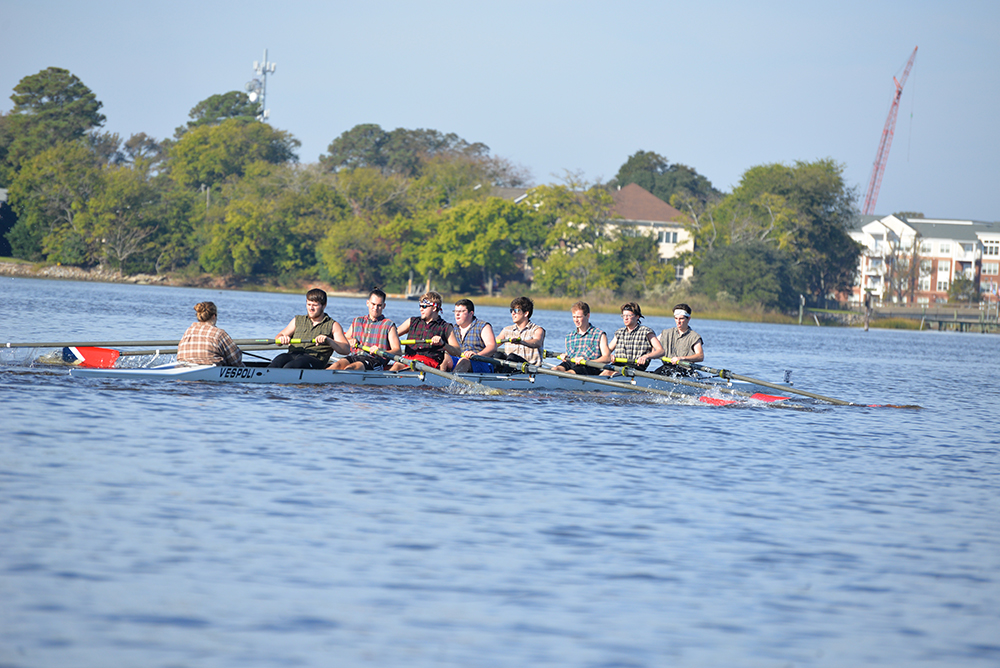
(680, 343)
(523, 340)
(584, 344)
(319, 333)
(635, 342)
(432, 334)
(475, 337)
(371, 331)
(204, 343)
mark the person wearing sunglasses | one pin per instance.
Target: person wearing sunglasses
(434, 336)
(635, 342)
(371, 331)
(680, 343)
(523, 340)
(584, 344)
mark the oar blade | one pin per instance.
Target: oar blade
(767, 397)
(714, 401)
(90, 357)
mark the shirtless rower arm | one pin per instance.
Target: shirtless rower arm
(285, 335)
(699, 355)
(605, 350)
(489, 342)
(536, 340)
(451, 344)
(395, 348)
(338, 341)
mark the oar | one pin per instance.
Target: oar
(104, 358)
(410, 342)
(125, 344)
(426, 368)
(527, 368)
(91, 344)
(628, 371)
(726, 374)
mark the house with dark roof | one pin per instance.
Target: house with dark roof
(640, 212)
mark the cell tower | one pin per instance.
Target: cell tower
(882, 155)
(257, 87)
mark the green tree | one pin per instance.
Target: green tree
(50, 107)
(751, 273)
(47, 195)
(122, 215)
(806, 210)
(217, 108)
(273, 220)
(654, 173)
(208, 154)
(963, 289)
(399, 151)
(482, 240)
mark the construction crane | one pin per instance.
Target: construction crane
(882, 155)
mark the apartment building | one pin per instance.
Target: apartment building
(915, 260)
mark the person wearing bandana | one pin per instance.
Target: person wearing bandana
(680, 343)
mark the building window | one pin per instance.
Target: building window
(679, 271)
(876, 263)
(942, 286)
(945, 248)
(992, 248)
(923, 300)
(924, 284)
(925, 248)
(967, 248)
(944, 268)
(991, 268)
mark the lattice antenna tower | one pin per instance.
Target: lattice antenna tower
(882, 155)
(257, 87)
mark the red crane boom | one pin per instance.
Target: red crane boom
(882, 155)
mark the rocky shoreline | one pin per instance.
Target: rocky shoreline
(67, 273)
(105, 275)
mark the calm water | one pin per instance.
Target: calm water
(154, 524)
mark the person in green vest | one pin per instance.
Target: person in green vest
(320, 336)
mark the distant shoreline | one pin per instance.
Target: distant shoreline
(21, 269)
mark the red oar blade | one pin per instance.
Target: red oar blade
(712, 401)
(94, 358)
(767, 397)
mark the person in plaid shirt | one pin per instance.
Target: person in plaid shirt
(584, 344)
(204, 343)
(635, 342)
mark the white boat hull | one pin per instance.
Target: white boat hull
(516, 382)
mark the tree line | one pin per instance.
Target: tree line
(228, 196)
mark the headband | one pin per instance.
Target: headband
(678, 312)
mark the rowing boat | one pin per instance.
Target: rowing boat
(254, 373)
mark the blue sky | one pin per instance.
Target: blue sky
(557, 86)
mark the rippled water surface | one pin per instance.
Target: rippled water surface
(188, 524)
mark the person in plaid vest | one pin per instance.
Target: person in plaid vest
(634, 342)
(584, 344)
(374, 331)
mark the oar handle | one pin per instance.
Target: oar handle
(410, 342)
(415, 365)
(274, 341)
